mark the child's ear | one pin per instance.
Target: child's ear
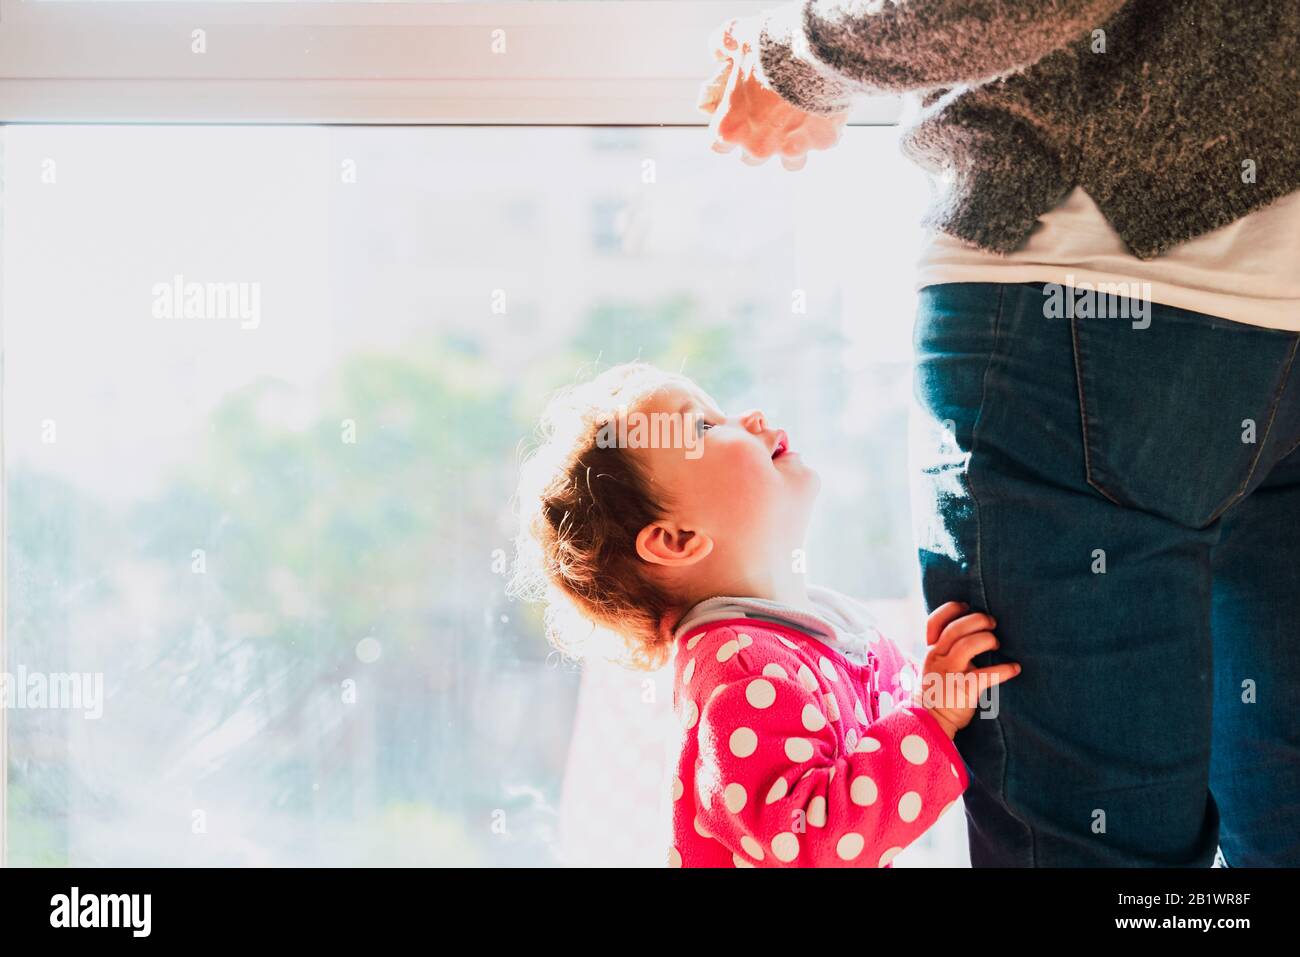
(662, 544)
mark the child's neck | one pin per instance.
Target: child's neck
(784, 587)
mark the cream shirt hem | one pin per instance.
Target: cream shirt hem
(1247, 271)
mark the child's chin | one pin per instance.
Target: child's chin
(809, 484)
(810, 475)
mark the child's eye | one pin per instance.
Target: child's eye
(701, 425)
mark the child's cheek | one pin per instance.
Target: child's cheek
(743, 477)
(734, 464)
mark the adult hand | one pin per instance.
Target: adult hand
(748, 113)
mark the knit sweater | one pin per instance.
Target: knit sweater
(1176, 116)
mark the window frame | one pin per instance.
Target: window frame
(566, 62)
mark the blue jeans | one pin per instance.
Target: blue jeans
(1125, 500)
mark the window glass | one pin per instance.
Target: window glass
(265, 390)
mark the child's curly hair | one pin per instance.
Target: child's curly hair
(581, 507)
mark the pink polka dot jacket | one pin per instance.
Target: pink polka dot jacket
(788, 758)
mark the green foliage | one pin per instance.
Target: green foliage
(374, 514)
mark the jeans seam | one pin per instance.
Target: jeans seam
(1272, 416)
(979, 549)
(1083, 413)
(974, 441)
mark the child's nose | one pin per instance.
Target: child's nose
(754, 421)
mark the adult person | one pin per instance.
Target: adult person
(1117, 479)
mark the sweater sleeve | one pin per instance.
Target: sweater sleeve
(818, 54)
(776, 790)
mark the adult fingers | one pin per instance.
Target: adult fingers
(722, 41)
(727, 124)
(794, 143)
(794, 152)
(713, 89)
(824, 133)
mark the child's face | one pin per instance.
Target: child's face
(739, 495)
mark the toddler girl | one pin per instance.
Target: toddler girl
(658, 517)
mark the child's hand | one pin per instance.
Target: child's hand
(950, 686)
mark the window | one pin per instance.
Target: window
(270, 513)
(634, 62)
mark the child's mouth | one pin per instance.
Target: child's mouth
(782, 445)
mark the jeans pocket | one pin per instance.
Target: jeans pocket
(1175, 413)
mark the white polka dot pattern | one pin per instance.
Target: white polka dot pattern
(863, 791)
(817, 811)
(813, 719)
(744, 742)
(798, 750)
(781, 764)
(850, 846)
(785, 847)
(760, 693)
(909, 806)
(915, 749)
(807, 678)
(690, 715)
(735, 797)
